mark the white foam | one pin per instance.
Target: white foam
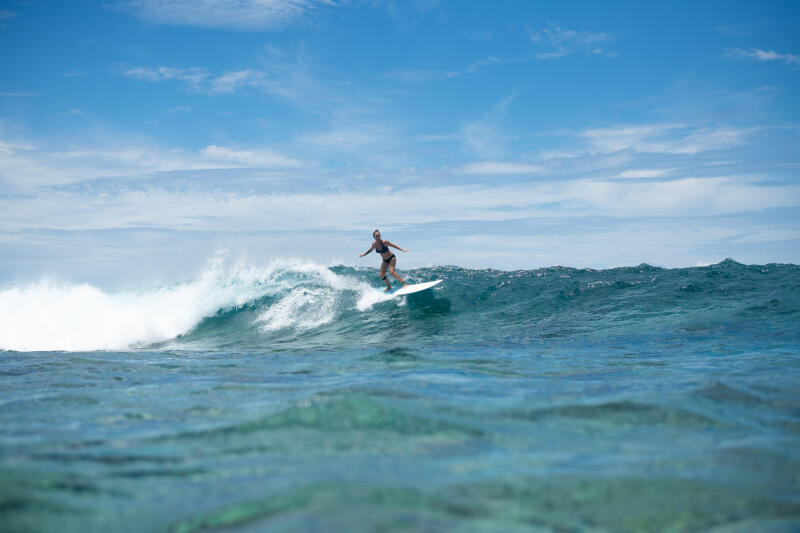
(49, 315)
(305, 308)
(301, 309)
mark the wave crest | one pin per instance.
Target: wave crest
(48, 315)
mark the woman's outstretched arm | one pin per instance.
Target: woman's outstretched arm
(393, 245)
(368, 251)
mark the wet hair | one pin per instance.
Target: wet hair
(374, 232)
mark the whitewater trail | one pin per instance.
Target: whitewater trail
(50, 315)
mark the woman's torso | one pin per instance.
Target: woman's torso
(383, 250)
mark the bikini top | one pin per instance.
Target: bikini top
(383, 250)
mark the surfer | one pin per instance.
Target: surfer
(389, 259)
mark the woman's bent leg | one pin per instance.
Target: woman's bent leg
(393, 273)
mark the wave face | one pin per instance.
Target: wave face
(294, 305)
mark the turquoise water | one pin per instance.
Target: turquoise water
(295, 397)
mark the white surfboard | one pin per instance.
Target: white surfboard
(410, 289)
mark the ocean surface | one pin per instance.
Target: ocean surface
(299, 397)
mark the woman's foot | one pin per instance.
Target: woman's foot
(387, 289)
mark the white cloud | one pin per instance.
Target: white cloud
(437, 137)
(69, 113)
(347, 138)
(662, 138)
(764, 55)
(11, 148)
(631, 139)
(201, 80)
(559, 36)
(344, 119)
(731, 31)
(552, 55)
(476, 65)
(485, 136)
(248, 15)
(203, 210)
(558, 41)
(220, 155)
(424, 75)
(417, 75)
(196, 77)
(480, 64)
(288, 79)
(24, 166)
(175, 110)
(643, 173)
(562, 42)
(230, 82)
(499, 167)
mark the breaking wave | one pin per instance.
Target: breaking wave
(291, 304)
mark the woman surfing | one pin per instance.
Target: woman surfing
(389, 259)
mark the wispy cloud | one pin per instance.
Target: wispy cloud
(214, 210)
(424, 75)
(437, 137)
(69, 113)
(417, 75)
(25, 166)
(10, 147)
(406, 13)
(232, 158)
(339, 118)
(481, 64)
(289, 80)
(247, 15)
(484, 136)
(560, 50)
(644, 173)
(231, 82)
(499, 167)
(731, 31)
(477, 65)
(764, 55)
(169, 113)
(662, 138)
(202, 80)
(554, 41)
(175, 110)
(197, 78)
(558, 42)
(19, 93)
(346, 137)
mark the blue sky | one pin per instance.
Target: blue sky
(139, 137)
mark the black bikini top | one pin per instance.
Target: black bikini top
(383, 250)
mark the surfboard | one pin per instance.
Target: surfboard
(410, 289)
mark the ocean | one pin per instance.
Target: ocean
(300, 397)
